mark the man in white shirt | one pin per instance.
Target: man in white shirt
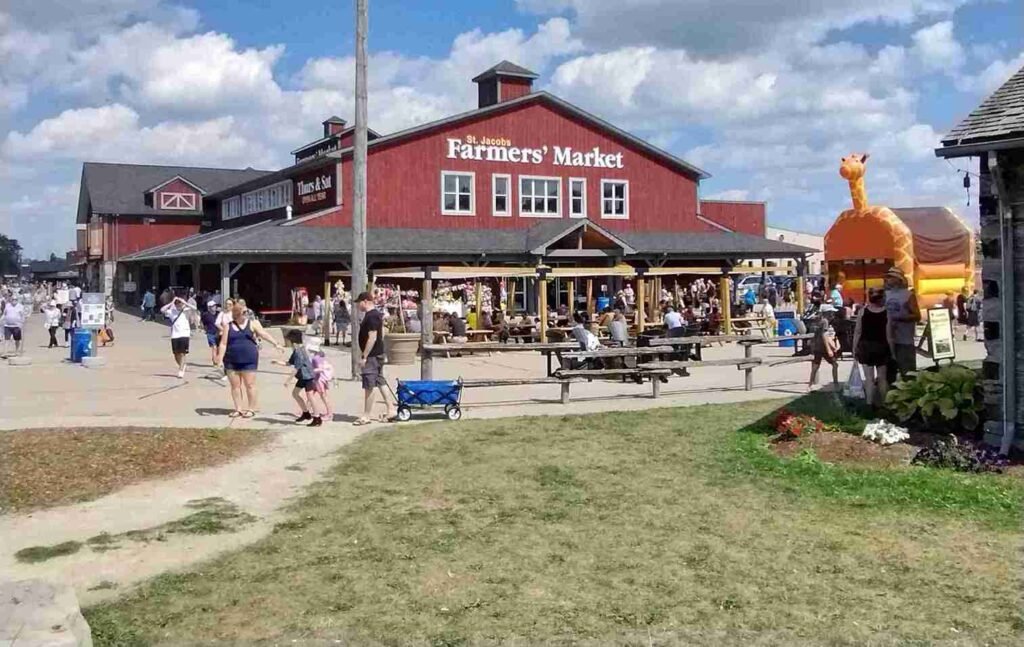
(13, 319)
(768, 312)
(672, 318)
(181, 331)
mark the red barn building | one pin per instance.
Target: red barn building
(525, 179)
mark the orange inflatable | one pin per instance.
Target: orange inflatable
(932, 245)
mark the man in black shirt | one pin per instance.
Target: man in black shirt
(371, 359)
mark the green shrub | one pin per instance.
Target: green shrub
(949, 394)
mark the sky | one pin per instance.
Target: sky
(765, 95)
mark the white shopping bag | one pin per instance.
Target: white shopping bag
(855, 384)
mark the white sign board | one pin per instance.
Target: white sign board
(92, 310)
(940, 327)
(128, 286)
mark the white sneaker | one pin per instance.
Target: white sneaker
(181, 373)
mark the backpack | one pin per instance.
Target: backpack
(326, 370)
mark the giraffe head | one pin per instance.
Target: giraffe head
(852, 166)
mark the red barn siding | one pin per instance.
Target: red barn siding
(128, 235)
(743, 217)
(513, 88)
(404, 179)
(177, 186)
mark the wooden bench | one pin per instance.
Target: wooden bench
(268, 314)
(567, 375)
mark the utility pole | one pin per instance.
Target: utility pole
(359, 180)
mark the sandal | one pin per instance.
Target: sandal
(235, 414)
(359, 422)
(248, 413)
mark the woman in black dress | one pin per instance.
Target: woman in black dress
(871, 345)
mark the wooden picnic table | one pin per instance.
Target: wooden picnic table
(478, 335)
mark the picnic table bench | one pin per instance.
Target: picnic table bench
(268, 314)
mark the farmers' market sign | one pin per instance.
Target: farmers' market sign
(500, 149)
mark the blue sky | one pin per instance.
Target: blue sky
(767, 96)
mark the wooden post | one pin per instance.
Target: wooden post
(427, 326)
(564, 363)
(726, 300)
(591, 307)
(328, 312)
(225, 280)
(510, 304)
(801, 287)
(640, 304)
(572, 295)
(478, 300)
(748, 372)
(542, 299)
(655, 386)
(359, 277)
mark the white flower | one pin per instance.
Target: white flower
(884, 432)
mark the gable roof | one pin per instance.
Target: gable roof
(176, 177)
(543, 98)
(505, 68)
(543, 234)
(121, 188)
(999, 118)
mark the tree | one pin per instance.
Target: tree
(10, 255)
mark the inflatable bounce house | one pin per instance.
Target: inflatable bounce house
(932, 245)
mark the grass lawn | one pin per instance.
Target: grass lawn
(48, 467)
(673, 526)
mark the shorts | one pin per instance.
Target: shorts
(241, 367)
(905, 357)
(12, 332)
(820, 356)
(212, 339)
(306, 385)
(873, 353)
(179, 345)
(372, 373)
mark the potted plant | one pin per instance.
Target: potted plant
(400, 346)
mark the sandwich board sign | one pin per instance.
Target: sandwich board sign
(940, 337)
(93, 310)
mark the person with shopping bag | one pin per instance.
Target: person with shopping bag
(871, 346)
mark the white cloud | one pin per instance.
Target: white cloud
(729, 194)
(992, 76)
(936, 48)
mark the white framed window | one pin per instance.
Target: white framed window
(501, 194)
(615, 199)
(458, 193)
(183, 201)
(275, 196)
(231, 208)
(577, 197)
(540, 197)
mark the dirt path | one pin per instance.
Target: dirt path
(260, 484)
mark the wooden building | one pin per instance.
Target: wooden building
(525, 179)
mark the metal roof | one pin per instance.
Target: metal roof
(121, 188)
(279, 238)
(1000, 117)
(505, 68)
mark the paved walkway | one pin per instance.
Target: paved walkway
(139, 387)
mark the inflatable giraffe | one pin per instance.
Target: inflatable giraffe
(852, 169)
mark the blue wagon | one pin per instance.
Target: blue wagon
(429, 393)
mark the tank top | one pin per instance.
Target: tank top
(241, 348)
(873, 325)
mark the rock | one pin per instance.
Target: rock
(19, 360)
(39, 612)
(94, 362)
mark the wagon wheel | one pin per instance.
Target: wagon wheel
(404, 413)
(453, 412)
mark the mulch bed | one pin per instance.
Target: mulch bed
(48, 467)
(840, 447)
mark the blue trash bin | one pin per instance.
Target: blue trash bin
(603, 302)
(81, 344)
(787, 328)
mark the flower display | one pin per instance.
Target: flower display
(884, 432)
(793, 425)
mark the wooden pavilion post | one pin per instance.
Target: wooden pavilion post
(572, 295)
(801, 285)
(726, 300)
(640, 303)
(426, 326)
(542, 305)
(478, 300)
(328, 311)
(590, 297)
(652, 300)
(510, 303)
